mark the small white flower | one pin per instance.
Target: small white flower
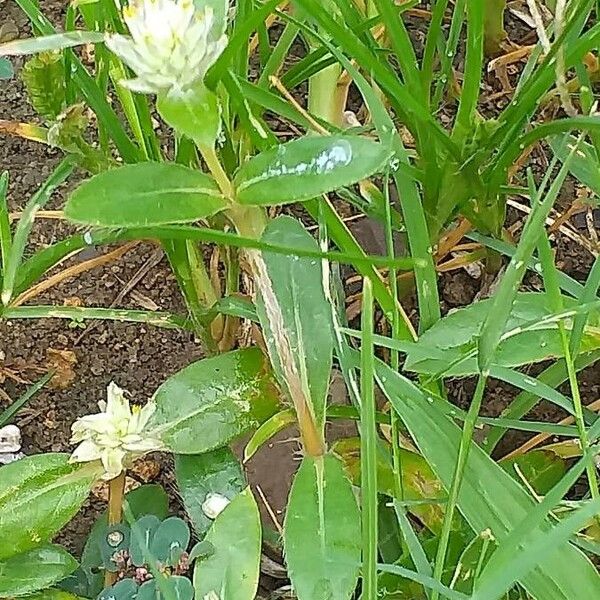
(214, 505)
(172, 45)
(115, 435)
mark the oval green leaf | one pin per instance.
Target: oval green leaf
(322, 531)
(232, 571)
(308, 167)
(216, 472)
(214, 400)
(145, 194)
(38, 496)
(34, 570)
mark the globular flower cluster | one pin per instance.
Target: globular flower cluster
(172, 45)
(115, 436)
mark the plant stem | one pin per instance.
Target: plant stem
(216, 168)
(326, 98)
(250, 221)
(459, 469)
(368, 448)
(577, 405)
(116, 492)
(494, 26)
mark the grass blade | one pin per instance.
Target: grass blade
(489, 497)
(5, 234)
(7, 415)
(25, 224)
(368, 442)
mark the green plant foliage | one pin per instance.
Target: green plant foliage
(583, 165)
(144, 530)
(123, 590)
(44, 79)
(305, 168)
(489, 498)
(296, 316)
(214, 400)
(530, 335)
(196, 115)
(34, 570)
(114, 539)
(214, 472)
(232, 571)
(49, 43)
(38, 496)
(322, 531)
(542, 469)
(145, 194)
(170, 541)
(87, 581)
(173, 588)
(418, 480)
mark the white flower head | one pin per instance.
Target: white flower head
(115, 435)
(172, 45)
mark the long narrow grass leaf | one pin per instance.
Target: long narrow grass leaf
(37, 201)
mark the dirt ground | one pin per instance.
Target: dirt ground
(140, 357)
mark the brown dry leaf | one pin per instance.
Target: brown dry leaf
(63, 363)
(147, 469)
(73, 301)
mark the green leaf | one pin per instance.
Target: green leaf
(322, 531)
(232, 572)
(174, 587)
(13, 259)
(267, 430)
(6, 69)
(34, 570)
(418, 480)
(452, 340)
(489, 498)
(38, 496)
(195, 114)
(216, 472)
(145, 194)
(542, 469)
(50, 42)
(87, 581)
(142, 533)
(212, 401)
(122, 590)
(170, 541)
(308, 167)
(583, 164)
(296, 316)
